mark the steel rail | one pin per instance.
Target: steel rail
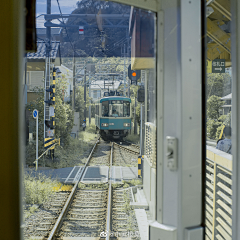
(109, 207)
(127, 149)
(57, 224)
(133, 144)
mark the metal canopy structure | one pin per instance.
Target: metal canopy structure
(109, 20)
(218, 30)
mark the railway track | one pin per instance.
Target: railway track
(124, 156)
(89, 211)
(132, 148)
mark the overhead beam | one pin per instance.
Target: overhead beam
(50, 24)
(222, 6)
(218, 35)
(214, 50)
(84, 16)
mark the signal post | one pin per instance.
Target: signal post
(49, 139)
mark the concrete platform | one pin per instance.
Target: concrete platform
(142, 221)
(140, 201)
(95, 175)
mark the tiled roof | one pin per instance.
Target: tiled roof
(41, 51)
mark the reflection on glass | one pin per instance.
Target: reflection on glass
(219, 128)
(87, 58)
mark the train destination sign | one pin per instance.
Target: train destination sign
(218, 66)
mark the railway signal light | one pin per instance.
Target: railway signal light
(51, 90)
(50, 123)
(133, 75)
(141, 94)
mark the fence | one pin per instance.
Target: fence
(150, 143)
(218, 195)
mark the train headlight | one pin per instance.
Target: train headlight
(126, 124)
(104, 124)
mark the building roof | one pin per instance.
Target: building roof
(227, 97)
(40, 55)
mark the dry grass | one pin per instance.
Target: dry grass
(38, 189)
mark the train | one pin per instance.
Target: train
(113, 117)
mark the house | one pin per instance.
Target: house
(35, 67)
(98, 88)
(227, 107)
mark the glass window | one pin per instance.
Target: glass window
(97, 109)
(218, 122)
(116, 108)
(126, 109)
(105, 109)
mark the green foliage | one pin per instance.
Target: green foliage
(225, 120)
(126, 207)
(94, 46)
(215, 122)
(63, 118)
(212, 127)
(213, 105)
(71, 154)
(37, 189)
(218, 84)
(116, 185)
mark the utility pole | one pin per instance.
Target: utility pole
(124, 74)
(135, 121)
(47, 70)
(89, 99)
(85, 93)
(74, 81)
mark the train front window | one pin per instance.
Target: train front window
(116, 108)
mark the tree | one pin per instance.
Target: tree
(94, 42)
(218, 84)
(213, 105)
(63, 112)
(226, 121)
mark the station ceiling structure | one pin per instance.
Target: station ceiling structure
(218, 30)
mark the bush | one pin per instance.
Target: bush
(37, 189)
(212, 127)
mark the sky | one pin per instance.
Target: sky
(67, 6)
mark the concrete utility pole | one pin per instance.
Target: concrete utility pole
(85, 93)
(89, 82)
(47, 70)
(74, 81)
(135, 121)
(124, 73)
